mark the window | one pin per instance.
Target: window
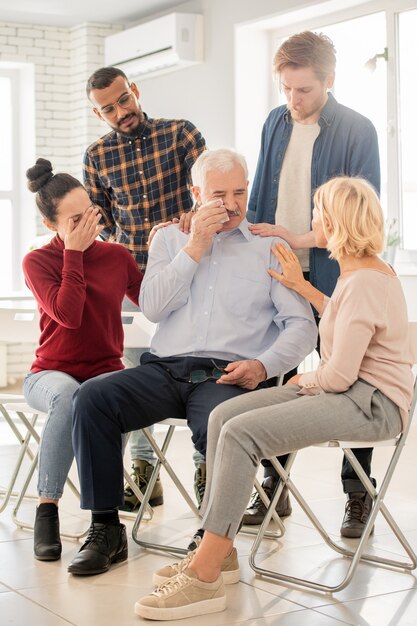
(17, 211)
(407, 25)
(6, 181)
(383, 31)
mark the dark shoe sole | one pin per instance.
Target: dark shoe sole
(256, 520)
(117, 558)
(353, 533)
(47, 558)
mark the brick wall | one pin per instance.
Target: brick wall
(63, 59)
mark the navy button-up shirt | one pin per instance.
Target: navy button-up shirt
(347, 145)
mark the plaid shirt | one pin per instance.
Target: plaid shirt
(139, 182)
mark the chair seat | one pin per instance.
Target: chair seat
(21, 407)
(174, 421)
(358, 554)
(335, 443)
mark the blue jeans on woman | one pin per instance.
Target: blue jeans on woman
(51, 392)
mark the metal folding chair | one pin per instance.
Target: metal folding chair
(160, 453)
(357, 555)
(23, 437)
(22, 410)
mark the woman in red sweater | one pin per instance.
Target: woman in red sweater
(79, 284)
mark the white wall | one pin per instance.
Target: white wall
(205, 93)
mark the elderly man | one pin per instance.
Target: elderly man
(224, 328)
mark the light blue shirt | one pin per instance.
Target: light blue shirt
(226, 306)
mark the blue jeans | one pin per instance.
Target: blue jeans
(51, 392)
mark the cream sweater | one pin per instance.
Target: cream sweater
(364, 334)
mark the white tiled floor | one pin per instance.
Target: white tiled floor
(41, 593)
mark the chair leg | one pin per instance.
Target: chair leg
(31, 432)
(24, 449)
(161, 461)
(357, 555)
(134, 487)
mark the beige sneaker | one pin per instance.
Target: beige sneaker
(183, 596)
(230, 569)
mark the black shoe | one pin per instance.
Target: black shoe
(47, 542)
(256, 510)
(357, 510)
(141, 474)
(196, 540)
(105, 544)
(200, 483)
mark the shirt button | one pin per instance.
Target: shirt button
(137, 149)
(146, 219)
(143, 137)
(205, 312)
(140, 171)
(214, 262)
(144, 195)
(210, 287)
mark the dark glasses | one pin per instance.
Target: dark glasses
(200, 376)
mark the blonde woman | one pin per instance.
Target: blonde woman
(361, 389)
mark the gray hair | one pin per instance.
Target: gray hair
(223, 159)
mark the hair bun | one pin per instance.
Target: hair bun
(39, 175)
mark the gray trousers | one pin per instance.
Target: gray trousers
(275, 421)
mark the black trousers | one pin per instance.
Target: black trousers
(131, 399)
(350, 480)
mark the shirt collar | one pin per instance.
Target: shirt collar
(243, 228)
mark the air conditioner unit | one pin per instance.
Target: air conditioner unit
(161, 45)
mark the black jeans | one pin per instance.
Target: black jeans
(350, 480)
(136, 398)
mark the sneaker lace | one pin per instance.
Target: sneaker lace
(172, 584)
(180, 566)
(256, 501)
(355, 509)
(201, 486)
(140, 481)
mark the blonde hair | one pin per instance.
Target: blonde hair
(352, 218)
(222, 159)
(307, 49)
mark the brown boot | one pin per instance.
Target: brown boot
(256, 510)
(141, 474)
(357, 510)
(200, 482)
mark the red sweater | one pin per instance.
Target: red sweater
(79, 296)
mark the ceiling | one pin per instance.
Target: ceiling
(67, 13)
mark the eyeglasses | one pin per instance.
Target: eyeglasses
(200, 376)
(122, 102)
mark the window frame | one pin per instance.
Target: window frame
(339, 13)
(22, 77)
(12, 194)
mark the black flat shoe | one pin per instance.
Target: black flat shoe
(105, 544)
(47, 542)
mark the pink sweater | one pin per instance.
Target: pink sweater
(364, 334)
